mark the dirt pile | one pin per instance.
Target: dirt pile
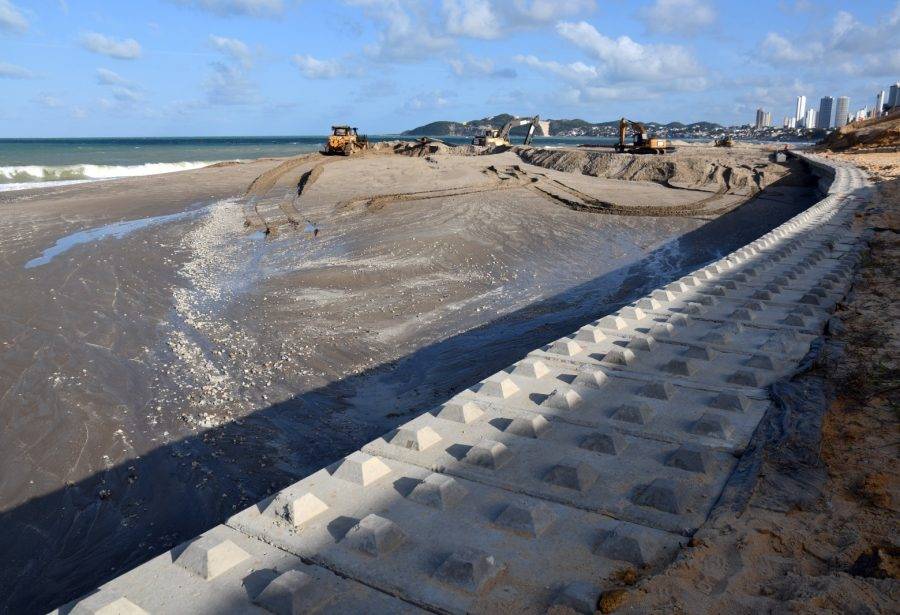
(699, 168)
(867, 134)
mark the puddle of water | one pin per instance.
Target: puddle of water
(116, 230)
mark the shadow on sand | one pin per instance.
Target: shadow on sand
(61, 545)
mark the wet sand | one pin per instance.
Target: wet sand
(150, 384)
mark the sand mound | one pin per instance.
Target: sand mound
(695, 171)
(872, 133)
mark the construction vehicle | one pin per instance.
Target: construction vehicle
(725, 141)
(643, 143)
(498, 137)
(345, 140)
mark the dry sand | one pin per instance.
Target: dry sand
(153, 383)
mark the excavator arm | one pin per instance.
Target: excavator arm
(519, 121)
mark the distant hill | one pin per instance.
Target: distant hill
(574, 127)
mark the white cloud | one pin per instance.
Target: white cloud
(479, 67)
(547, 11)
(577, 72)
(125, 49)
(623, 59)
(313, 68)
(229, 85)
(233, 47)
(253, 8)
(49, 101)
(11, 18)
(685, 17)
(11, 71)
(406, 35)
(108, 77)
(429, 100)
(471, 18)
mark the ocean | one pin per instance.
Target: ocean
(38, 163)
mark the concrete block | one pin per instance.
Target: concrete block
(623, 545)
(662, 494)
(663, 296)
(438, 491)
(690, 458)
(488, 454)
(565, 348)
(717, 337)
(663, 330)
(612, 322)
(608, 442)
(745, 378)
(632, 313)
(699, 352)
(527, 519)
(620, 356)
(528, 426)
(642, 342)
(658, 390)
(794, 320)
(530, 368)
(713, 426)
(296, 510)
(208, 557)
(499, 387)
(809, 299)
(572, 474)
(106, 603)
(753, 306)
(693, 308)
(580, 596)
(677, 287)
(375, 536)
(731, 401)
(591, 335)
(742, 314)
(594, 379)
(417, 438)
(563, 398)
(288, 594)
(761, 361)
(639, 413)
(361, 469)
(680, 367)
(649, 303)
(460, 412)
(469, 569)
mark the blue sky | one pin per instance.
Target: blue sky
(267, 67)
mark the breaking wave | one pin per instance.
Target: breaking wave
(34, 174)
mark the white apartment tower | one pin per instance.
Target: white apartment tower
(801, 108)
(842, 112)
(810, 120)
(879, 104)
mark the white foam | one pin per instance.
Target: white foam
(35, 176)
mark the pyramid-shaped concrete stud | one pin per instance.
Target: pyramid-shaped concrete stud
(296, 509)
(531, 368)
(415, 437)
(622, 545)
(460, 412)
(488, 454)
(677, 287)
(616, 323)
(565, 347)
(289, 594)
(638, 414)
(713, 426)
(607, 442)
(763, 295)
(578, 596)
(754, 306)
(663, 296)
(663, 330)
(563, 398)
(690, 458)
(649, 303)
(590, 335)
(106, 602)
(730, 401)
(593, 379)
(470, 569)
(679, 320)
(208, 557)
(701, 353)
(692, 307)
(663, 494)
(680, 367)
(658, 390)
(717, 337)
(809, 299)
(761, 361)
(374, 535)
(361, 469)
(572, 474)
(438, 491)
(527, 519)
(528, 426)
(499, 387)
(633, 313)
(742, 314)
(745, 378)
(642, 342)
(619, 356)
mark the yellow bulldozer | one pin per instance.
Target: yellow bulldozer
(643, 143)
(345, 140)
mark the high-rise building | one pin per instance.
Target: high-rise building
(894, 96)
(810, 120)
(789, 122)
(823, 118)
(879, 104)
(760, 118)
(767, 119)
(842, 112)
(801, 108)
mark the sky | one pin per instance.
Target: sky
(84, 68)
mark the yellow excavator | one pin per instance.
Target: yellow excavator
(345, 140)
(643, 143)
(496, 137)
